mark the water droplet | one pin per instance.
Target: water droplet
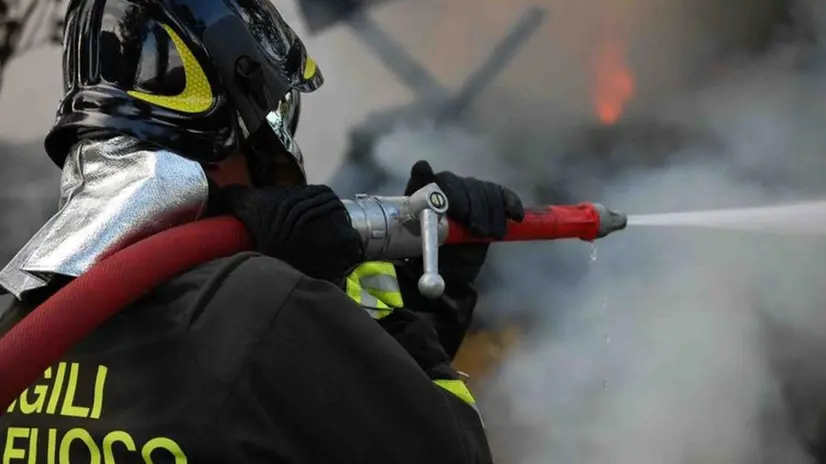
(605, 385)
(593, 251)
(607, 339)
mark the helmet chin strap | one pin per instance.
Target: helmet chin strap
(113, 194)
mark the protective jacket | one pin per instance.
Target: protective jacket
(246, 360)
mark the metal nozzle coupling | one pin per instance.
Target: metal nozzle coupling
(610, 221)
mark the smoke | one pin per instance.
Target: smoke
(672, 346)
(29, 194)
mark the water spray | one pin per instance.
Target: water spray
(807, 218)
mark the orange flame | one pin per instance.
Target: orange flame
(614, 82)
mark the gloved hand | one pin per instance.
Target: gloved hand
(305, 226)
(485, 209)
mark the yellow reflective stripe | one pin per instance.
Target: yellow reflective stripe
(374, 285)
(376, 308)
(310, 68)
(388, 299)
(458, 388)
(353, 289)
(197, 95)
(377, 313)
(374, 268)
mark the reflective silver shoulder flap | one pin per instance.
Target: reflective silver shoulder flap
(112, 193)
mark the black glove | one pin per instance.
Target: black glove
(306, 226)
(484, 208)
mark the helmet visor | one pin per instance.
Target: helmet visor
(273, 156)
(283, 122)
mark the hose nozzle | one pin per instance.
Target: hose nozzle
(609, 220)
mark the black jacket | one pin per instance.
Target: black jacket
(245, 360)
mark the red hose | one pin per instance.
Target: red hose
(79, 308)
(580, 221)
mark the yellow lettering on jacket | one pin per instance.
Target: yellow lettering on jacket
(86, 438)
(116, 437)
(22, 445)
(11, 450)
(33, 400)
(56, 388)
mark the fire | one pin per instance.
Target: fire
(614, 82)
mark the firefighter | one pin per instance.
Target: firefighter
(181, 109)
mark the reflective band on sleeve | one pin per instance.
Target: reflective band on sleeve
(377, 313)
(458, 388)
(374, 287)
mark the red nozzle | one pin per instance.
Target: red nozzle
(585, 221)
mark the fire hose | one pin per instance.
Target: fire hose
(391, 227)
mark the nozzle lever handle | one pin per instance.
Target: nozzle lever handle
(430, 203)
(431, 284)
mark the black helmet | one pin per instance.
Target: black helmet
(198, 77)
